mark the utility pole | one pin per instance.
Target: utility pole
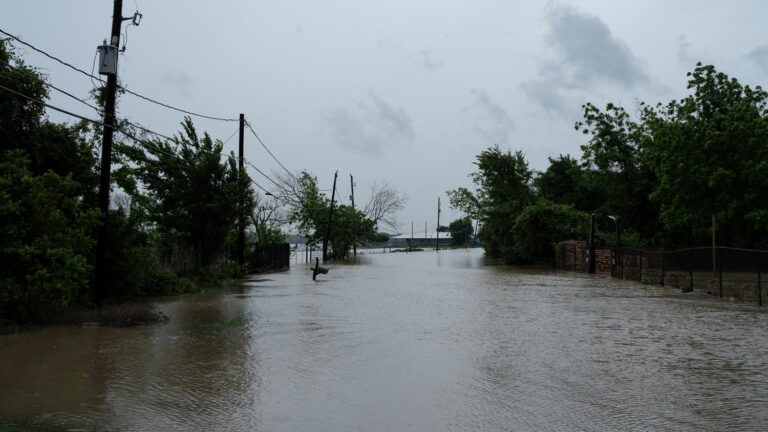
(106, 163)
(437, 231)
(241, 204)
(330, 219)
(426, 237)
(352, 198)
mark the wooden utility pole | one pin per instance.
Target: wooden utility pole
(352, 199)
(330, 219)
(437, 231)
(241, 203)
(99, 285)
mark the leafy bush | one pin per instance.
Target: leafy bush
(539, 227)
(45, 240)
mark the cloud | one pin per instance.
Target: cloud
(588, 52)
(493, 123)
(759, 56)
(545, 94)
(428, 61)
(689, 55)
(684, 51)
(584, 54)
(178, 79)
(371, 127)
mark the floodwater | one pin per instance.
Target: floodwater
(423, 342)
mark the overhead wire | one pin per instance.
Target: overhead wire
(146, 143)
(117, 128)
(173, 155)
(53, 107)
(267, 149)
(264, 175)
(232, 136)
(150, 131)
(146, 98)
(31, 73)
(158, 134)
(259, 186)
(121, 129)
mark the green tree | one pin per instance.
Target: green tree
(617, 173)
(504, 189)
(45, 240)
(47, 190)
(565, 181)
(192, 195)
(710, 153)
(311, 211)
(20, 117)
(461, 231)
(539, 227)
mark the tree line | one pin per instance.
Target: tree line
(661, 175)
(174, 212)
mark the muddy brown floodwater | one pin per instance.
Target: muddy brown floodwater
(423, 342)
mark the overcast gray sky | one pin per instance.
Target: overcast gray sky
(403, 91)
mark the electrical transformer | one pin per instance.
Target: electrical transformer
(107, 59)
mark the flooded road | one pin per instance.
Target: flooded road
(421, 342)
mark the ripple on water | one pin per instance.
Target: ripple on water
(405, 342)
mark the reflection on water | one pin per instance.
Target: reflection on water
(419, 341)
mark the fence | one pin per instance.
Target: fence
(572, 255)
(722, 271)
(270, 257)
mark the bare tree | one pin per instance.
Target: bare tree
(268, 213)
(299, 192)
(384, 203)
(121, 200)
(291, 189)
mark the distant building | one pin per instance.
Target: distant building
(420, 239)
(295, 239)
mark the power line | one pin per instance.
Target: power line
(126, 133)
(150, 131)
(30, 98)
(267, 149)
(16, 38)
(148, 144)
(233, 135)
(173, 155)
(97, 122)
(173, 139)
(120, 129)
(259, 186)
(30, 73)
(146, 98)
(265, 176)
(90, 75)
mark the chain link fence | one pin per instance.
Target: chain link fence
(269, 257)
(722, 271)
